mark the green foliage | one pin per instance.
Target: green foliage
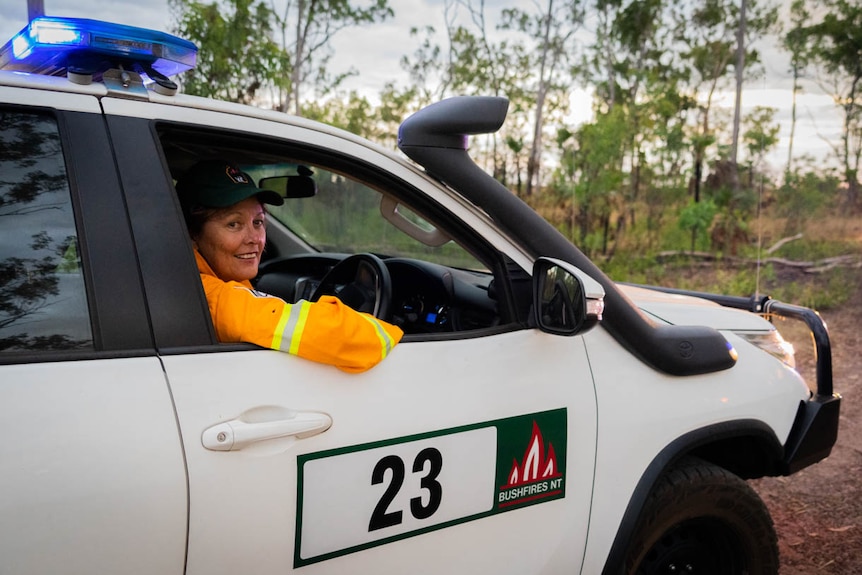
(245, 54)
(696, 218)
(311, 25)
(426, 67)
(805, 196)
(761, 137)
(835, 45)
(812, 250)
(634, 268)
(795, 40)
(827, 291)
(822, 291)
(237, 56)
(837, 39)
(597, 159)
(355, 114)
(730, 281)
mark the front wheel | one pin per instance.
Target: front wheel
(702, 519)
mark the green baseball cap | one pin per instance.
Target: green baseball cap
(219, 184)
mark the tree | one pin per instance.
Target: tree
(795, 42)
(551, 29)
(835, 46)
(630, 61)
(762, 19)
(596, 158)
(696, 218)
(237, 57)
(250, 52)
(710, 34)
(760, 138)
(313, 24)
(478, 65)
(709, 53)
(428, 73)
(739, 67)
(354, 114)
(473, 64)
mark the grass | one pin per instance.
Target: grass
(824, 230)
(824, 238)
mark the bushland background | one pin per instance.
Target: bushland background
(628, 130)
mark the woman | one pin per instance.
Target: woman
(226, 218)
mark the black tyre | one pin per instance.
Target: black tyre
(704, 520)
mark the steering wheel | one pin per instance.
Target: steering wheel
(362, 282)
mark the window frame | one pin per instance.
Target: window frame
(245, 147)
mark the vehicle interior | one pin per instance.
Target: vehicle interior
(356, 232)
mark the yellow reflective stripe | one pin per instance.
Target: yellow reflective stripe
(298, 326)
(279, 328)
(292, 323)
(382, 335)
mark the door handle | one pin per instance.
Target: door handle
(235, 434)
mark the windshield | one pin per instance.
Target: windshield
(347, 216)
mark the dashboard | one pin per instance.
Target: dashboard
(426, 297)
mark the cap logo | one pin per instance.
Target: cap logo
(235, 175)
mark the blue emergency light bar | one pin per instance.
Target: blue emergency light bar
(52, 45)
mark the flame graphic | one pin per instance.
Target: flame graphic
(536, 465)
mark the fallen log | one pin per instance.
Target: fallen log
(774, 247)
(818, 266)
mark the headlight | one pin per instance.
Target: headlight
(772, 343)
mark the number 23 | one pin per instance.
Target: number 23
(381, 517)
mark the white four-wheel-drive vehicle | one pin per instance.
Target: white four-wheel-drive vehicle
(535, 418)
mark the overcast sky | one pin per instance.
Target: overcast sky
(375, 52)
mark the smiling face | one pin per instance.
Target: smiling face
(232, 240)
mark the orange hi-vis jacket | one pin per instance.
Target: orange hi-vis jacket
(326, 331)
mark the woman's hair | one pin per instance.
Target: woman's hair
(196, 216)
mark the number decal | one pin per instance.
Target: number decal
(361, 496)
(381, 517)
(429, 482)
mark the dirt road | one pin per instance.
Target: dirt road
(818, 511)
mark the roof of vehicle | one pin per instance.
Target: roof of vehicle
(62, 84)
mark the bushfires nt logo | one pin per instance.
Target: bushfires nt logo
(536, 476)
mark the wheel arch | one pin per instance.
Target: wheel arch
(747, 448)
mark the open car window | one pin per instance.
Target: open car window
(444, 278)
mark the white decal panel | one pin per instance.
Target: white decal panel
(353, 498)
(343, 508)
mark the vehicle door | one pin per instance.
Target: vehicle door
(92, 479)
(462, 452)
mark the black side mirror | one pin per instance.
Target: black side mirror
(560, 303)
